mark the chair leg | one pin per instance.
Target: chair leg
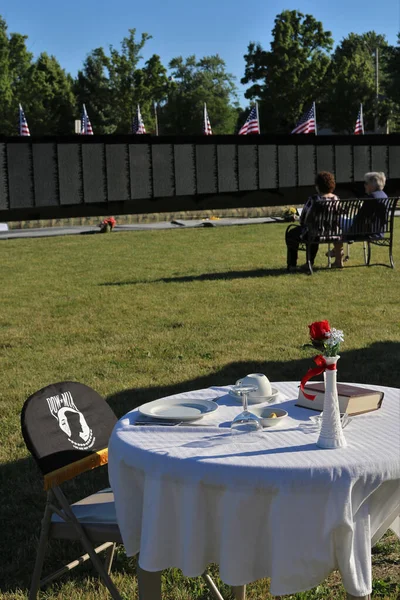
(149, 584)
(109, 556)
(329, 257)
(44, 536)
(212, 587)
(308, 260)
(239, 591)
(72, 565)
(98, 565)
(367, 253)
(391, 253)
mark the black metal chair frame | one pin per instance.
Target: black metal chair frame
(325, 225)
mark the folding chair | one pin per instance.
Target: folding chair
(66, 427)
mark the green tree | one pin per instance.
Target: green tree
(113, 85)
(352, 81)
(153, 87)
(195, 82)
(392, 69)
(49, 100)
(42, 87)
(92, 88)
(5, 79)
(292, 74)
(15, 62)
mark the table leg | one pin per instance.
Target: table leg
(239, 591)
(350, 597)
(149, 584)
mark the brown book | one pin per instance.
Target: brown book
(353, 399)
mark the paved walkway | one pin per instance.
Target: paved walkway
(91, 229)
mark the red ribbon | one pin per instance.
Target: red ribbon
(321, 367)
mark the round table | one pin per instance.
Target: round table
(281, 507)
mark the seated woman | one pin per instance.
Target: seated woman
(325, 185)
(373, 211)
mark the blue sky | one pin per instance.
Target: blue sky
(70, 29)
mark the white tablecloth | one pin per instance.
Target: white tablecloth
(280, 508)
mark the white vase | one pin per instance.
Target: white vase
(331, 434)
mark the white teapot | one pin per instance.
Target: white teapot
(264, 389)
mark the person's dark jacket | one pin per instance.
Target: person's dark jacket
(372, 215)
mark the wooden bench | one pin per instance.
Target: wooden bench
(366, 220)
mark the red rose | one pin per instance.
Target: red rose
(319, 329)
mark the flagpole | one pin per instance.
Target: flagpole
(156, 117)
(20, 123)
(258, 118)
(315, 119)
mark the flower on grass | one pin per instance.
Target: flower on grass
(290, 213)
(108, 224)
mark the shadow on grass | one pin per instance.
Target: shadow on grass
(375, 364)
(229, 275)
(22, 498)
(205, 277)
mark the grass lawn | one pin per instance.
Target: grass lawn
(141, 315)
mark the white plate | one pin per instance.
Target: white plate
(175, 409)
(257, 399)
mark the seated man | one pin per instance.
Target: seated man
(325, 185)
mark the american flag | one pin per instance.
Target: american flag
(86, 127)
(251, 124)
(359, 128)
(307, 122)
(138, 125)
(206, 125)
(23, 124)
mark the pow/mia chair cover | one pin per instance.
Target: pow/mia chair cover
(66, 426)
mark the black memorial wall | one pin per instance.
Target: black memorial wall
(55, 177)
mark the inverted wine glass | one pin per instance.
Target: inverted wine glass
(245, 425)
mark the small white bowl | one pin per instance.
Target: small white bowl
(264, 412)
(257, 399)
